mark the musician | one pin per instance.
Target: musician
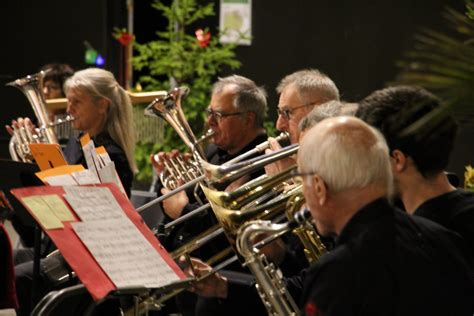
(235, 114)
(418, 162)
(386, 262)
(102, 109)
(299, 93)
(54, 78)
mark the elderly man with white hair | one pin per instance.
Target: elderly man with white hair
(385, 261)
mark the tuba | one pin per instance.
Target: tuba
(32, 88)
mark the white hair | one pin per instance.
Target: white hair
(346, 157)
(321, 112)
(312, 85)
(101, 83)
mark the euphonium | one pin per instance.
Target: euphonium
(269, 282)
(169, 108)
(32, 88)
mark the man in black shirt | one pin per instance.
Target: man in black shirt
(236, 113)
(419, 160)
(385, 262)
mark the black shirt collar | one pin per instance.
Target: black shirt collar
(364, 219)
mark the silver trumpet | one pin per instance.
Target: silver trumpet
(32, 88)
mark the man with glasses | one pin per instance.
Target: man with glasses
(299, 93)
(235, 114)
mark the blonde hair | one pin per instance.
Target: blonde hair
(101, 83)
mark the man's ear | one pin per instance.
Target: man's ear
(320, 189)
(399, 160)
(251, 117)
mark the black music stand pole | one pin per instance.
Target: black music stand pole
(36, 266)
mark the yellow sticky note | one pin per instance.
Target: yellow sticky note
(59, 208)
(45, 216)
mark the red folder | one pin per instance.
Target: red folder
(76, 253)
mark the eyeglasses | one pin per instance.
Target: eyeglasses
(286, 113)
(219, 115)
(296, 173)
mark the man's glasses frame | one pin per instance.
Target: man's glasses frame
(296, 173)
(219, 115)
(287, 112)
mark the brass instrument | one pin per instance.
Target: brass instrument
(169, 108)
(313, 246)
(32, 88)
(269, 282)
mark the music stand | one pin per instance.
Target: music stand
(14, 174)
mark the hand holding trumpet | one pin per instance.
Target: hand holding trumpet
(165, 165)
(209, 284)
(24, 133)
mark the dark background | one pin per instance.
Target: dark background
(356, 43)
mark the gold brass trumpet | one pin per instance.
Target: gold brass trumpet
(229, 214)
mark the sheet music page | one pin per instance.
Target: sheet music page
(59, 180)
(85, 177)
(109, 174)
(93, 203)
(124, 253)
(90, 155)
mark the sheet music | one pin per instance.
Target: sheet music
(90, 155)
(60, 180)
(85, 176)
(93, 203)
(109, 174)
(124, 253)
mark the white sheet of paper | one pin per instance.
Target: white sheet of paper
(109, 174)
(124, 253)
(93, 203)
(63, 179)
(91, 157)
(105, 158)
(85, 177)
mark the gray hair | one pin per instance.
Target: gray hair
(312, 85)
(249, 97)
(323, 111)
(354, 155)
(101, 83)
